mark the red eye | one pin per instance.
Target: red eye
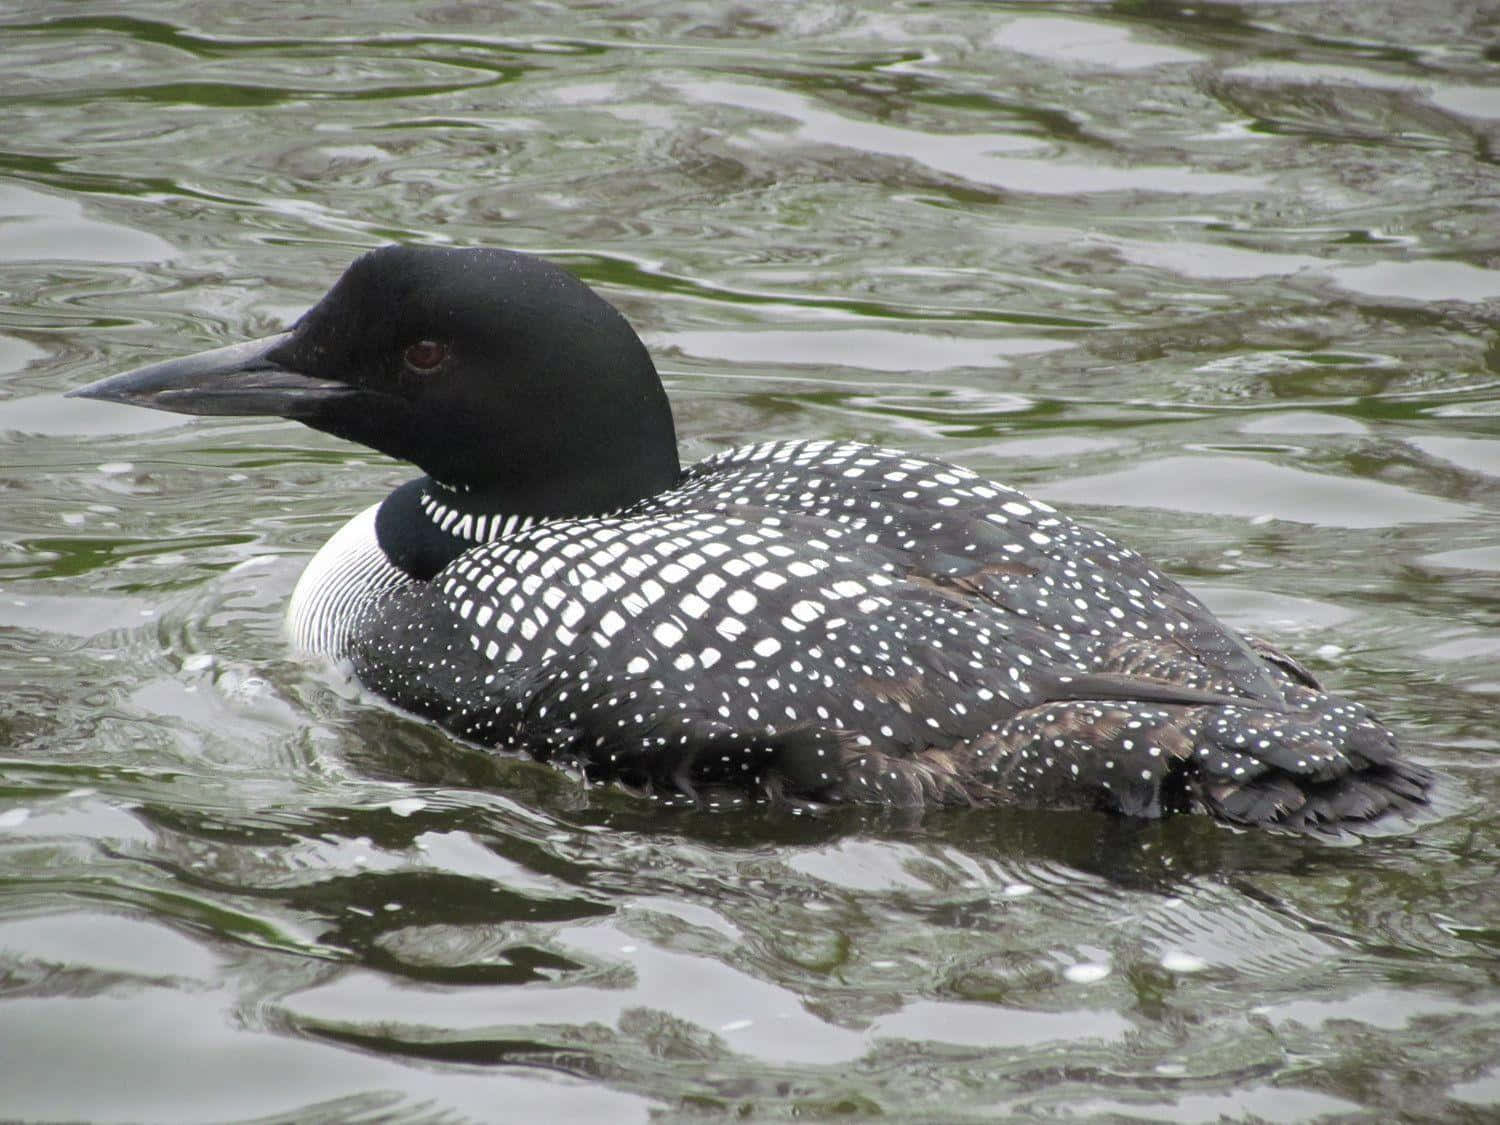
(426, 356)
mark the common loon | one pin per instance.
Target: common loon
(800, 621)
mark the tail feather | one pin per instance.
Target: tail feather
(1321, 762)
(1267, 800)
(1358, 798)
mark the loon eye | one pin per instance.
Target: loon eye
(426, 356)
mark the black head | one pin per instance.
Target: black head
(494, 371)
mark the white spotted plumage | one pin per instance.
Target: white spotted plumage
(753, 623)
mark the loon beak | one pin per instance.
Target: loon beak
(239, 379)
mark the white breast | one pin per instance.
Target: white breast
(349, 571)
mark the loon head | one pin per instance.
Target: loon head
(493, 371)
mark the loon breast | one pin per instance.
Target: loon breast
(345, 579)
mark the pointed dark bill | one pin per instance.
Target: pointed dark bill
(239, 379)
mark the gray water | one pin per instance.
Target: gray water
(1222, 279)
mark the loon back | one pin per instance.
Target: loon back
(800, 620)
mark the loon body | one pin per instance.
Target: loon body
(800, 620)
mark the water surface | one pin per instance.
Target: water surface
(1223, 279)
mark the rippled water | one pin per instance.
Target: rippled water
(1222, 278)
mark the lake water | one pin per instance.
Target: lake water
(1223, 279)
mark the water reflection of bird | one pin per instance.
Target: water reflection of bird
(794, 620)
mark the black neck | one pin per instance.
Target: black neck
(423, 526)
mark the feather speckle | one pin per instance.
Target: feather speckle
(838, 622)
